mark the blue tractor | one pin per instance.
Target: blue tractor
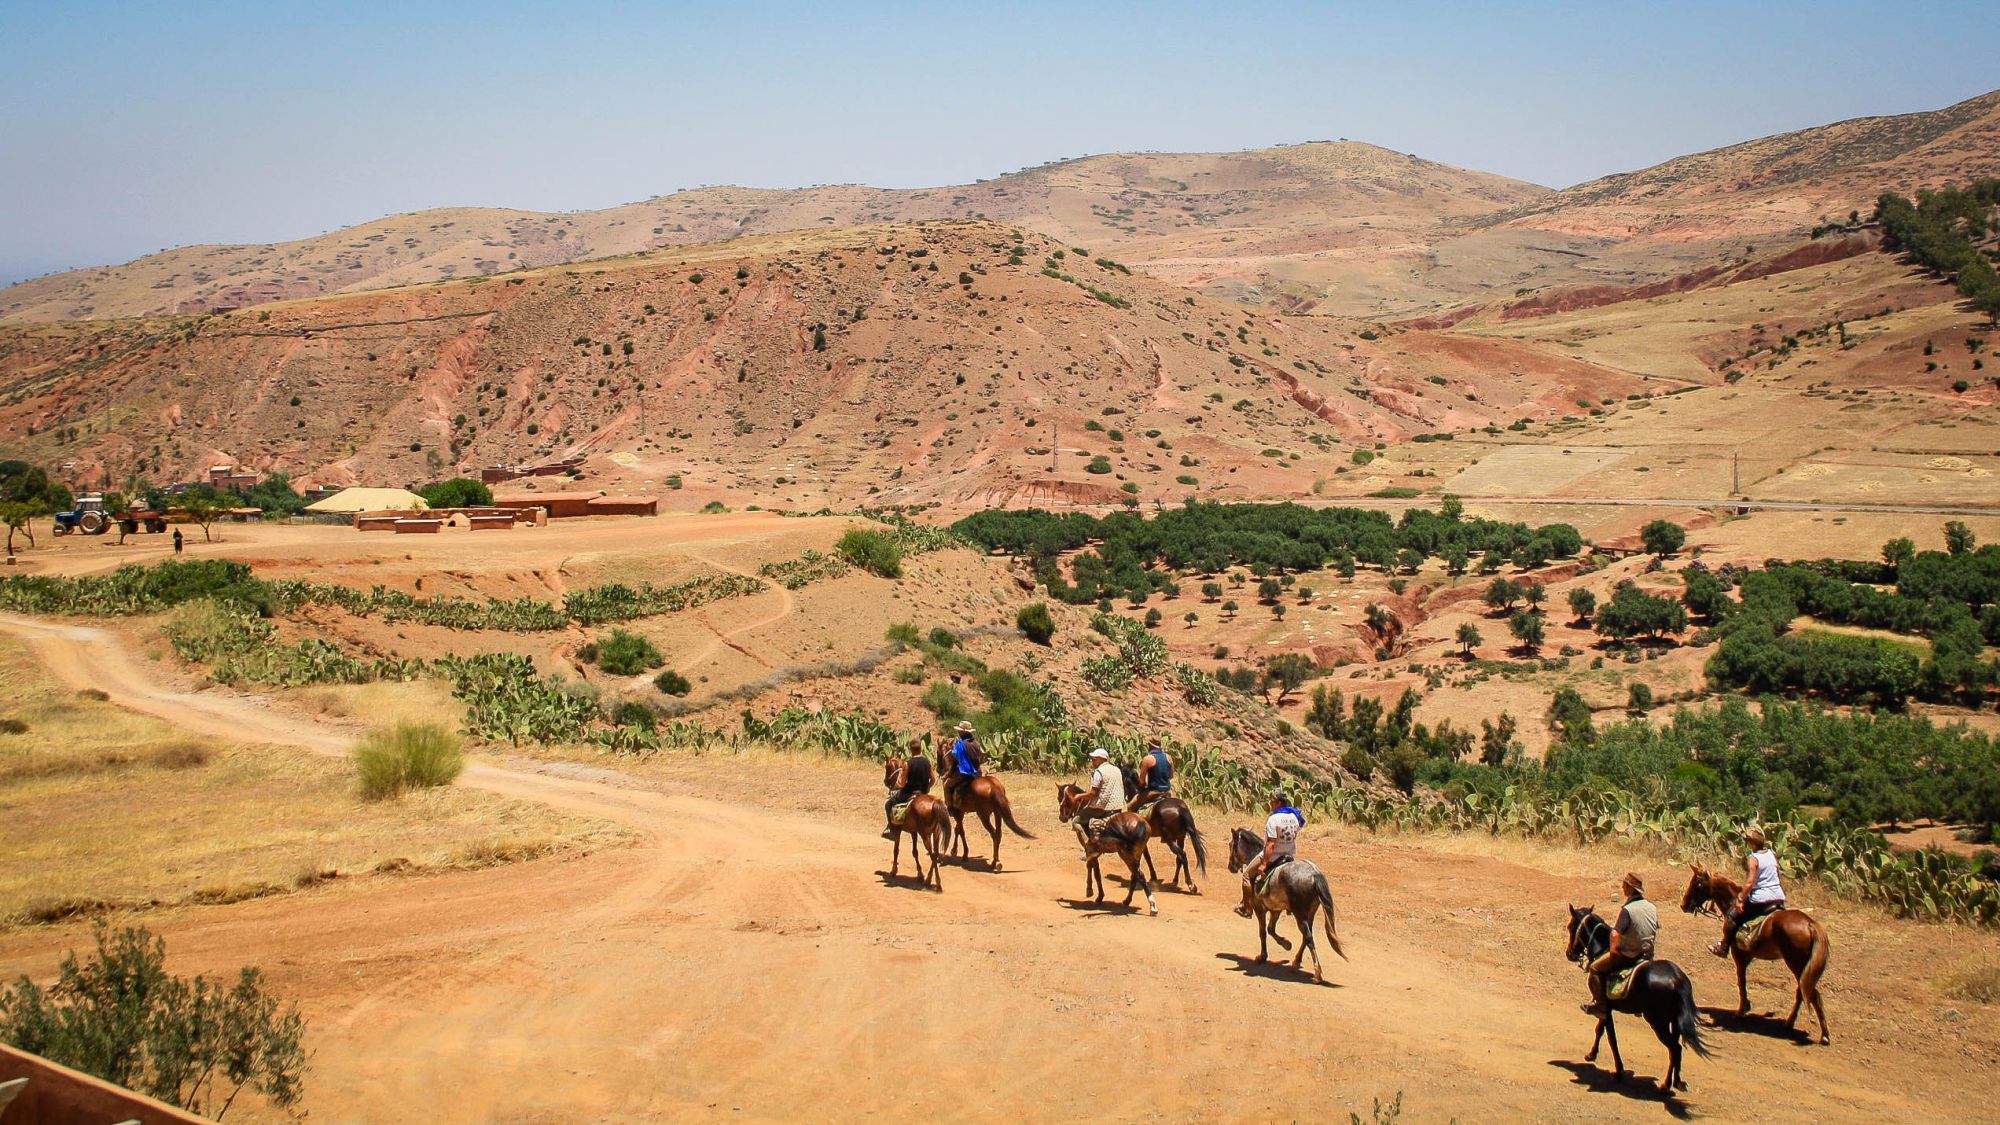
(87, 518)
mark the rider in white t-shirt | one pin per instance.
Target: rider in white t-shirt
(1281, 844)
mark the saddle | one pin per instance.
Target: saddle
(1264, 884)
(899, 814)
(1748, 933)
(1617, 984)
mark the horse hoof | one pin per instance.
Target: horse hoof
(1591, 1057)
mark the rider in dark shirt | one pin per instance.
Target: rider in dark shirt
(1156, 777)
(917, 778)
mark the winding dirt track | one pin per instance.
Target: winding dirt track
(749, 960)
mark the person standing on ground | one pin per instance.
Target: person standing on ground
(177, 541)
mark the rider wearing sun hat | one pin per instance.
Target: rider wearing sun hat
(965, 762)
(1762, 892)
(1632, 940)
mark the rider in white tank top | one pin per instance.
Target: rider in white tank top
(1766, 888)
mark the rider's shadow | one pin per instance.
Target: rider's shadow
(1272, 970)
(1766, 1024)
(1633, 1085)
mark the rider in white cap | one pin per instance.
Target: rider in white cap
(1106, 794)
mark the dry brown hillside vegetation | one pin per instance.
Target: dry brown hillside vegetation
(963, 363)
(1331, 226)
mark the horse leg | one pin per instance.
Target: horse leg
(1153, 871)
(1305, 922)
(990, 819)
(896, 854)
(1283, 941)
(1742, 960)
(936, 880)
(1097, 872)
(1672, 1038)
(1152, 905)
(1263, 946)
(1611, 1033)
(1596, 1041)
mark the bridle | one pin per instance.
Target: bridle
(1707, 904)
(1580, 934)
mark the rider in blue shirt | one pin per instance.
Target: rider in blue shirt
(965, 762)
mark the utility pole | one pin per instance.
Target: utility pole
(1735, 474)
(1055, 443)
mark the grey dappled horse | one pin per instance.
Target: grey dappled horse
(1298, 888)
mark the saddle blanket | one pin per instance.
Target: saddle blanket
(1620, 982)
(899, 814)
(1748, 933)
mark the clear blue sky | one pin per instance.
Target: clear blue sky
(127, 128)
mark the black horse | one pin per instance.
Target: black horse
(1660, 992)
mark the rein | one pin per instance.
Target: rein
(1589, 934)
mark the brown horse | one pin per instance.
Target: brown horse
(1793, 935)
(923, 820)
(983, 796)
(1172, 823)
(1123, 833)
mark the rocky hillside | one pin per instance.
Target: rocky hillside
(948, 362)
(1214, 220)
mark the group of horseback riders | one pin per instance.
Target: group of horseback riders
(1635, 934)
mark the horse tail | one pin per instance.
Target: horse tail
(1194, 835)
(1006, 810)
(1326, 903)
(1816, 962)
(1688, 1021)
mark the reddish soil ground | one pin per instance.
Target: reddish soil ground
(749, 959)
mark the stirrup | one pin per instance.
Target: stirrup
(1720, 949)
(1242, 911)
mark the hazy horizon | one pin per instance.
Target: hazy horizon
(130, 132)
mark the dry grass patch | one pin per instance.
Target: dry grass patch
(104, 809)
(1975, 980)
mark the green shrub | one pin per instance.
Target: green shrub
(944, 700)
(943, 637)
(876, 552)
(1035, 623)
(671, 682)
(192, 1042)
(456, 493)
(627, 654)
(411, 756)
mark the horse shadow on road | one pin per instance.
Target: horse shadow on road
(905, 882)
(1273, 970)
(1766, 1024)
(1632, 1085)
(1107, 907)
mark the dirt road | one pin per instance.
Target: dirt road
(750, 961)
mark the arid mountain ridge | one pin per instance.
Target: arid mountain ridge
(1340, 227)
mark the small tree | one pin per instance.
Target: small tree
(1527, 628)
(1154, 617)
(1898, 552)
(1958, 538)
(1569, 717)
(1638, 697)
(1286, 671)
(1503, 593)
(203, 506)
(1662, 537)
(1191, 617)
(1496, 739)
(1468, 639)
(1534, 592)
(1211, 591)
(1269, 590)
(1229, 611)
(1582, 603)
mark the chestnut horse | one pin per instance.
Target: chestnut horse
(1172, 823)
(983, 796)
(1793, 935)
(1122, 832)
(923, 820)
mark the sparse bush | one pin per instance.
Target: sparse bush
(190, 1042)
(411, 756)
(671, 682)
(627, 654)
(1035, 623)
(876, 552)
